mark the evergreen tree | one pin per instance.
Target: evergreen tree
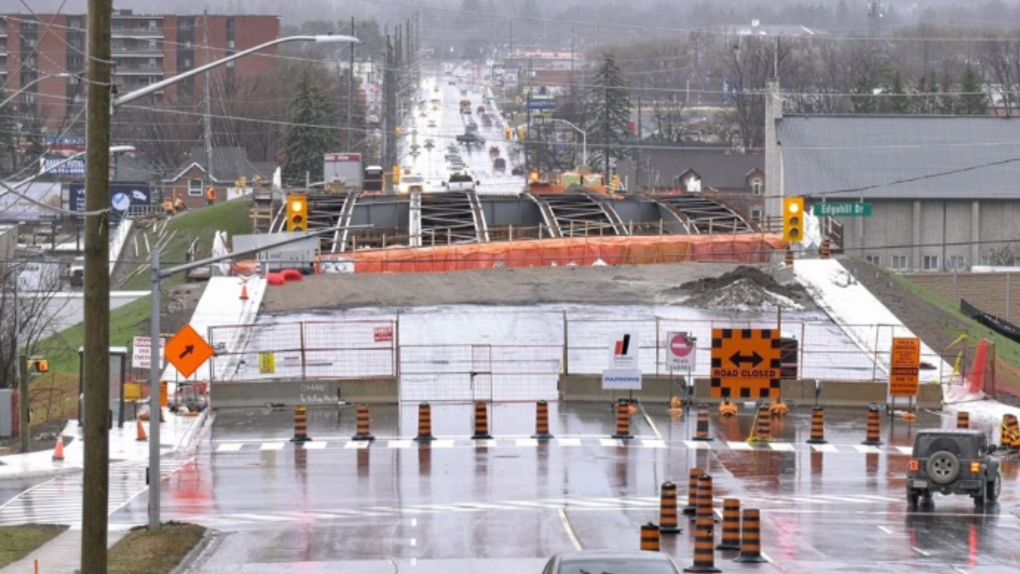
(947, 102)
(897, 102)
(921, 103)
(973, 100)
(311, 133)
(863, 100)
(607, 111)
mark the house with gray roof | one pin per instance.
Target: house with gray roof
(944, 190)
(228, 165)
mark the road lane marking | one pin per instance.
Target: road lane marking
(442, 443)
(233, 447)
(313, 445)
(905, 449)
(356, 444)
(272, 446)
(569, 529)
(650, 422)
(610, 442)
(741, 445)
(867, 449)
(485, 443)
(414, 542)
(398, 444)
(697, 444)
(526, 442)
(414, 522)
(921, 552)
(568, 442)
(781, 446)
(960, 570)
(884, 529)
(824, 448)
(649, 443)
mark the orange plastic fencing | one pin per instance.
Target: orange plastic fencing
(564, 251)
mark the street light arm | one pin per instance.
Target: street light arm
(32, 83)
(132, 96)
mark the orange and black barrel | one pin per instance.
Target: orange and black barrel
(363, 431)
(963, 420)
(704, 525)
(750, 537)
(692, 491)
(622, 420)
(300, 424)
(701, 428)
(874, 431)
(481, 422)
(542, 421)
(817, 426)
(730, 525)
(668, 523)
(650, 537)
(424, 423)
(764, 431)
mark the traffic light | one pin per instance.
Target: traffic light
(793, 219)
(533, 176)
(297, 213)
(397, 130)
(36, 365)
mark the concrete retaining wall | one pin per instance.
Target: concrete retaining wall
(833, 393)
(310, 393)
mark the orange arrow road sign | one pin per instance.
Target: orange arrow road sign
(187, 351)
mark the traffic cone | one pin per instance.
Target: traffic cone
(58, 451)
(675, 404)
(244, 291)
(142, 437)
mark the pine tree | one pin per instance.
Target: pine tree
(311, 133)
(947, 102)
(897, 102)
(973, 100)
(863, 100)
(607, 111)
(921, 104)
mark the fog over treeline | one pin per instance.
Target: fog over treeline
(834, 16)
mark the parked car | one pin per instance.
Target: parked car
(614, 562)
(461, 181)
(953, 462)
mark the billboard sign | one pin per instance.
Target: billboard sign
(122, 197)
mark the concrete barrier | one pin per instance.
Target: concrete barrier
(588, 388)
(309, 393)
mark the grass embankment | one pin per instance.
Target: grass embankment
(16, 542)
(54, 396)
(145, 552)
(230, 216)
(1006, 350)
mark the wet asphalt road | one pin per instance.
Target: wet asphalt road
(509, 504)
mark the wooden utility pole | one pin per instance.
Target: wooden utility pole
(24, 425)
(96, 360)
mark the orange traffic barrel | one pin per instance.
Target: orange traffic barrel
(817, 426)
(668, 523)
(300, 425)
(692, 491)
(704, 526)
(542, 421)
(701, 428)
(1010, 433)
(424, 423)
(730, 525)
(963, 420)
(481, 422)
(727, 409)
(363, 432)
(622, 420)
(763, 431)
(650, 537)
(874, 427)
(750, 537)
(789, 258)
(826, 249)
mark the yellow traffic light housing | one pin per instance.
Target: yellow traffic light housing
(297, 213)
(38, 365)
(533, 176)
(793, 219)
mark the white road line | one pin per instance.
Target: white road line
(739, 445)
(414, 522)
(905, 450)
(414, 542)
(960, 570)
(867, 449)
(569, 529)
(485, 443)
(649, 443)
(610, 442)
(442, 443)
(884, 529)
(921, 552)
(781, 446)
(262, 517)
(765, 556)
(824, 448)
(650, 422)
(878, 498)
(568, 442)
(526, 442)
(313, 445)
(271, 446)
(356, 444)
(400, 444)
(230, 447)
(696, 444)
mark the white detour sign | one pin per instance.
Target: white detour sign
(680, 352)
(141, 353)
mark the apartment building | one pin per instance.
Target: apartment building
(146, 48)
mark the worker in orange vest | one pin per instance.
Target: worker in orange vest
(179, 203)
(168, 206)
(210, 195)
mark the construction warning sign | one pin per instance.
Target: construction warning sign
(187, 351)
(904, 366)
(746, 363)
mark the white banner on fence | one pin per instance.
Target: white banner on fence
(141, 352)
(621, 380)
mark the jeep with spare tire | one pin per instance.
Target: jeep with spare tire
(953, 462)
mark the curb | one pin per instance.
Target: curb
(194, 432)
(210, 539)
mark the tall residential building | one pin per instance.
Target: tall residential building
(146, 48)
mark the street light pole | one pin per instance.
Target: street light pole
(584, 138)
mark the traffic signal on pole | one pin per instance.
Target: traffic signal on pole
(37, 365)
(793, 219)
(297, 213)
(533, 176)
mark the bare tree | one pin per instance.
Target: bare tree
(1000, 58)
(755, 60)
(28, 311)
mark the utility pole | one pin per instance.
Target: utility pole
(96, 348)
(207, 111)
(25, 428)
(637, 150)
(350, 93)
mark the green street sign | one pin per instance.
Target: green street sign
(842, 209)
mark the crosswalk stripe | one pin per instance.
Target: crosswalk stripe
(568, 442)
(824, 448)
(734, 445)
(526, 442)
(230, 447)
(398, 444)
(314, 445)
(356, 444)
(867, 449)
(781, 446)
(272, 446)
(696, 444)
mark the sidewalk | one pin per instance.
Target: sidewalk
(62, 555)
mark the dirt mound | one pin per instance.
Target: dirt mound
(743, 289)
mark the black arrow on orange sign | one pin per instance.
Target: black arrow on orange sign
(191, 348)
(755, 359)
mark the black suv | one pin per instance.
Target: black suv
(953, 462)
